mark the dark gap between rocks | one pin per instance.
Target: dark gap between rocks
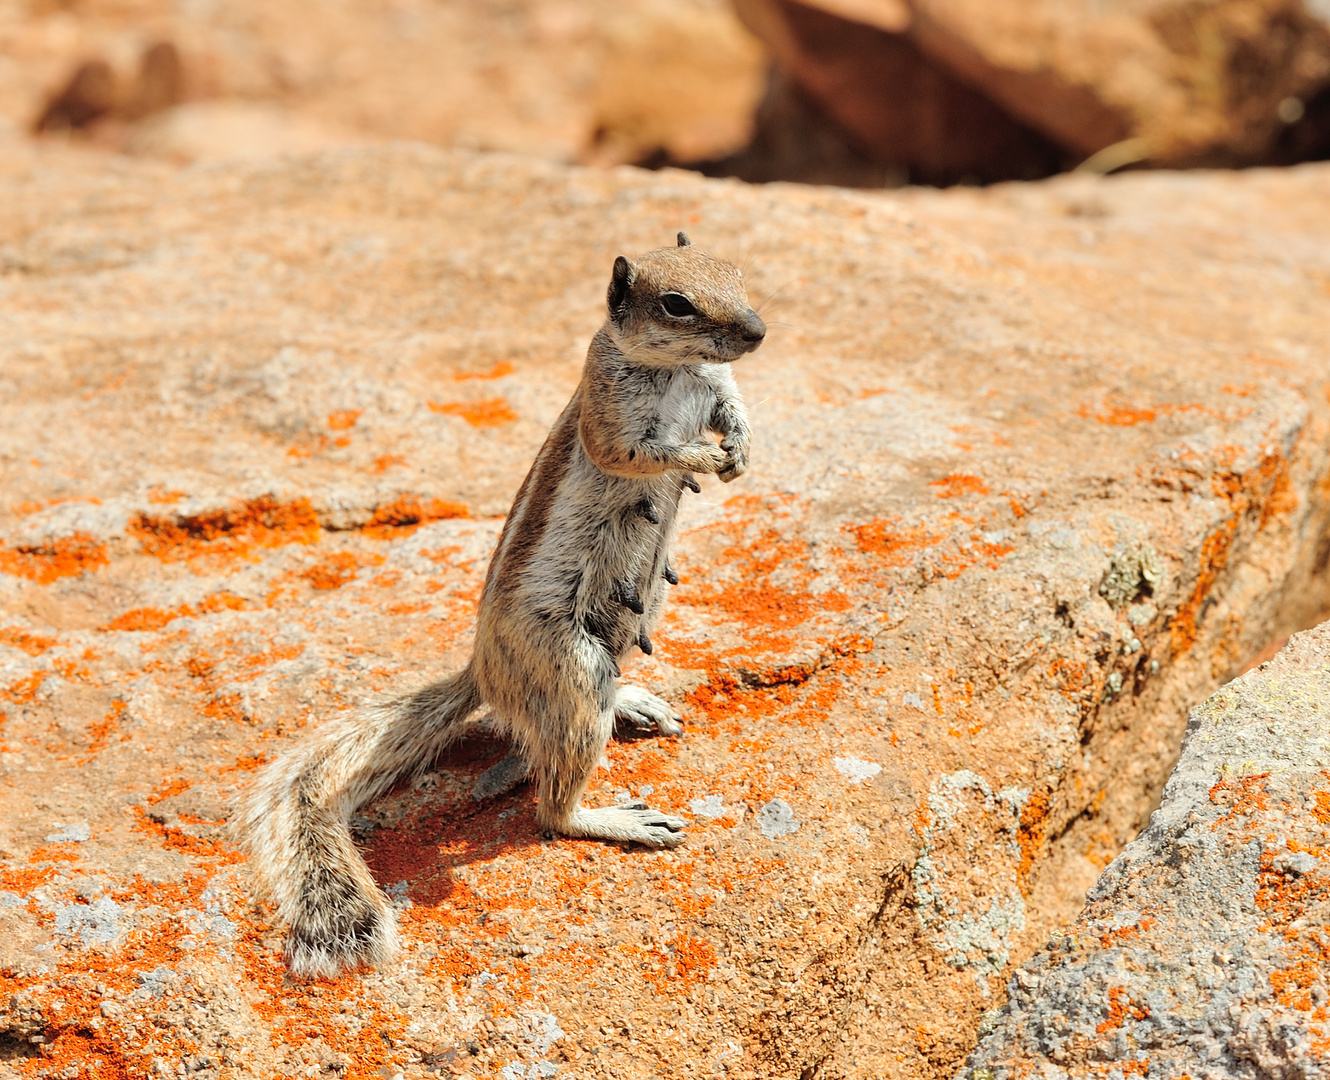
(853, 105)
(1303, 603)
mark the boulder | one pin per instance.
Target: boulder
(1035, 469)
(1165, 82)
(1201, 950)
(565, 79)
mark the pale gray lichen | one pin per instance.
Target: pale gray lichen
(97, 923)
(977, 939)
(944, 801)
(777, 819)
(70, 834)
(1132, 572)
(707, 806)
(856, 769)
(1141, 614)
(541, 1030)
(980, 941)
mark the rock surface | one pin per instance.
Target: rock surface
(928, 84)
(1202, 951)
(1035, 469)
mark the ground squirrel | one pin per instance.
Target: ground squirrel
(573, 587)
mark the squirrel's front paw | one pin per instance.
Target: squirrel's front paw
(736, 458)
(709, 458)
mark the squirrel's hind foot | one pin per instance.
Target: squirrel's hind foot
(635, 824)
(645, 711)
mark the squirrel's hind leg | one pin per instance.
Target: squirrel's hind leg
(632, 705)
(569, 754)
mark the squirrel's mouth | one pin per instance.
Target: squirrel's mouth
(724, 351)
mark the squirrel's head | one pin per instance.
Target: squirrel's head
(679, 306)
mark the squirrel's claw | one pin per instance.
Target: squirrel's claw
(627, 596)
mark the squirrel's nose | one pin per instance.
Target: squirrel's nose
(752, 328)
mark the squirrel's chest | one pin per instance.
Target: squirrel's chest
(673, 408)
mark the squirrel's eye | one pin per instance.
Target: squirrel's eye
(677, 304)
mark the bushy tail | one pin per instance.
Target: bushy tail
(294, 822)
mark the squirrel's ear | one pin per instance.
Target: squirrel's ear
(684, 241)
(625, 273)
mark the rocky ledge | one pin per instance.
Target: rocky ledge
(1035, 469)
(1202, 951)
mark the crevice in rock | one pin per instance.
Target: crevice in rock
(1260, 574)
(16, 1046)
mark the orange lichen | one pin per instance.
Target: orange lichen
(318, 445)
(1265, 488)
(31, 506)
(177, 839)
(337, 569)
(490, 412)
(32, 644)
(230, 534)
(1243, 798)
(957, 484)
(684, 963)
(384, 462)
(1071, 677)
(221, 702)
(1292, 984)
(1110, 938)
(893, 545)
(758, 604)
(1117, 415)
(169, 788)
(25, 880)
(151, 618)
(990, 553)
(99, 734)
(344, 419)
(50, 560)
(139, 619)
(157, 495)
(49, 853)
(1121, 1009)
(1282, 499)
(79, 1042)
(95, 1056)
(22, 691)
(248, 763)
(502, 368)
(1322, 811)
(1030, 834)
(405, 515)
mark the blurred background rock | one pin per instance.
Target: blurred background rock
(859, 92)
